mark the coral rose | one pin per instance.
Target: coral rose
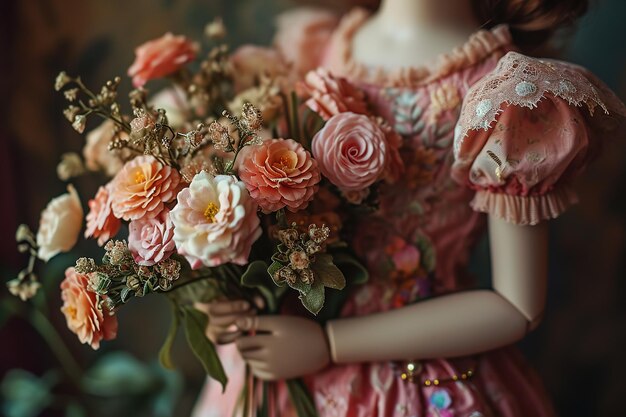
(215, 221)
(142, 188)
(280, 173)
(59, 225)
(96, 151)
(351, 150)
(82, 314)
(332, 95)
(101, 223)
(160, 57)
(151, 240)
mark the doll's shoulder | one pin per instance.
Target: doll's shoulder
(523, 81)
(526, 130)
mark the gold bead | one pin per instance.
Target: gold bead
(436, 382)
(455, 377)
(403, 376)
(464, 376)
(470, 373)
(427, 382)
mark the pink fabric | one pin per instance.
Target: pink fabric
(432, 214)
(526, 130)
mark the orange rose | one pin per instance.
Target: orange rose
(142, 188)
(160, 57)
(80, 307)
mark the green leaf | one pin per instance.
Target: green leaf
(165, 353)
(255, 275)
(352, 269)
(195, 324)
(272, 269)
(300, 286)
(313, 300)
(327, 272)
(301, 398)
(125, 294)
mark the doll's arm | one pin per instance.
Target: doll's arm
(463, 323)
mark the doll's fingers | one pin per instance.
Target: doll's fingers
(247, 323)
(258, 355)
(226, 338)
(222, 308)
(203, 307)
(229, 320)
(263, 374)
(246, 343)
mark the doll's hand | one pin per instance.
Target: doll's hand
(283, 347)
(222, 316)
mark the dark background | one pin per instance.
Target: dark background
(580, 349)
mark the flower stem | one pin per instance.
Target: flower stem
(45, 328)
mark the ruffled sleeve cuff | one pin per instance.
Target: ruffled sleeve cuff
(525, 210)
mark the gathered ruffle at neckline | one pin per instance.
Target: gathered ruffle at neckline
(340, 59)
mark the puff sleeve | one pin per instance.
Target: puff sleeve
(526, 130)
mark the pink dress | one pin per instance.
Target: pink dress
(485, 130)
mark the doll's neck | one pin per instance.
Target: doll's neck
(404, 16)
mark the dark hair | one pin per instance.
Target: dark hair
(532, 22)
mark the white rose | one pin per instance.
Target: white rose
(59, 225)
(96, 152)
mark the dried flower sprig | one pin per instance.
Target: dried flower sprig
(26, 284)
(302, 263)
(246, 127)
(119, 277)
(103, 103)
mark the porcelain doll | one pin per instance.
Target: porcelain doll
(485, 129)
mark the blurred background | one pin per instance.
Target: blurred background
(579, 350)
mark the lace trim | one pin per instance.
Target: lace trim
(524, 210)
(341, 61)
(524, 81)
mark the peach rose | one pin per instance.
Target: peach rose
(280, 173)
(215, 221)
(96, 151)
(101, 223)
(250, 62)
(160, 57)
(351, 150)
(332, 95)
(142, 188)
(151, 240)
(82, 314)
(59, 225)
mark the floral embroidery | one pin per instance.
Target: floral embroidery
(409, 121)
(444, 98)
(440, 402)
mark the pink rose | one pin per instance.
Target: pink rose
(351, 150)
(84, 317)
(280, 173)
(332, 95)
(160, 57)
(250, 62)
(215, 221)
(101, 223)
(302, 36)
(96, 152)
(151, 240)
(142, 188)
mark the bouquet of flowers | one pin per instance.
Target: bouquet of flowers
(238, 182)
